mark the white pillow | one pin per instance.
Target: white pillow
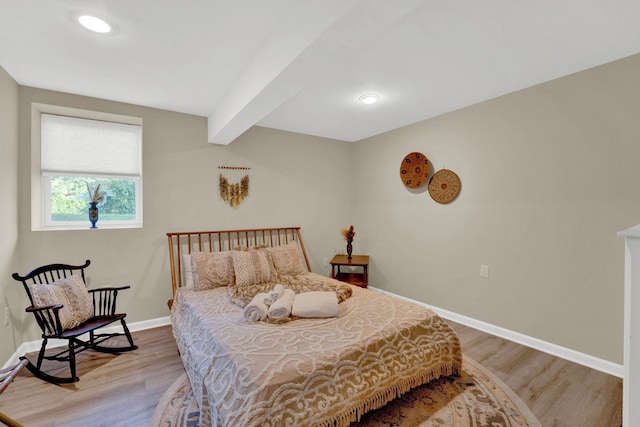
(187, 271)
(315, 304)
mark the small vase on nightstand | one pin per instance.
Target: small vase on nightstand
(348, 234)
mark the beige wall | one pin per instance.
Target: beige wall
(295, 180)
(548, 178)
(9, 209)
(549, 175)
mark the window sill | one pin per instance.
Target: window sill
(88, 228)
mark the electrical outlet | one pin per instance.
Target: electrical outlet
(7, 315)
(484, 271)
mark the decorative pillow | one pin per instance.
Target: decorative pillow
(187, 271)
(287, 260)
(211, 269)
(253, 267)
(71, 293)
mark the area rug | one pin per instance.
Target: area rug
(476, 398)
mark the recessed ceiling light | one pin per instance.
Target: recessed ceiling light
(369, 98)
(94, 24)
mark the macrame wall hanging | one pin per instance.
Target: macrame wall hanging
(234, 184)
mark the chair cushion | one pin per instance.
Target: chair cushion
(71, 292)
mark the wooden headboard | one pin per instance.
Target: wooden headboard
(225, 240)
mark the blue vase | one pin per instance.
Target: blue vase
(93, 214)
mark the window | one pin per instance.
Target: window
(76, 155)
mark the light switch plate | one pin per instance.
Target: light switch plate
(484, 271)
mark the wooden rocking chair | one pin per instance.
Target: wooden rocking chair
(54, 282)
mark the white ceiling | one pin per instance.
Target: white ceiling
(301, 65)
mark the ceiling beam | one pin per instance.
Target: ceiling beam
(316, 38)
(245, 102)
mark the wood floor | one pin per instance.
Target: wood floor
(124, 390)
(558, 392)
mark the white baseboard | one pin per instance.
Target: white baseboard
(31, 346)
(546, 347)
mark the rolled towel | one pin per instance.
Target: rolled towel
(256, 310)
(277, 291)
(281, 308)
(268, 299)
(315, 304)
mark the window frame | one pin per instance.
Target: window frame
(40, 181)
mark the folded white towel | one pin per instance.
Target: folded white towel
(315, 304)
(277, 292)
(256, 310)
(281, 308)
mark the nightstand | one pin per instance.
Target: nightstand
(353, 277)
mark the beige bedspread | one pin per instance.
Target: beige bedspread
(324, 372)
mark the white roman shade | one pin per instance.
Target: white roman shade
(82, 146)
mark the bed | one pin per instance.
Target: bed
(302, 371)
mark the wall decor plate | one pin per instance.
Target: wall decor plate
(444, 186)
(414, 170)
